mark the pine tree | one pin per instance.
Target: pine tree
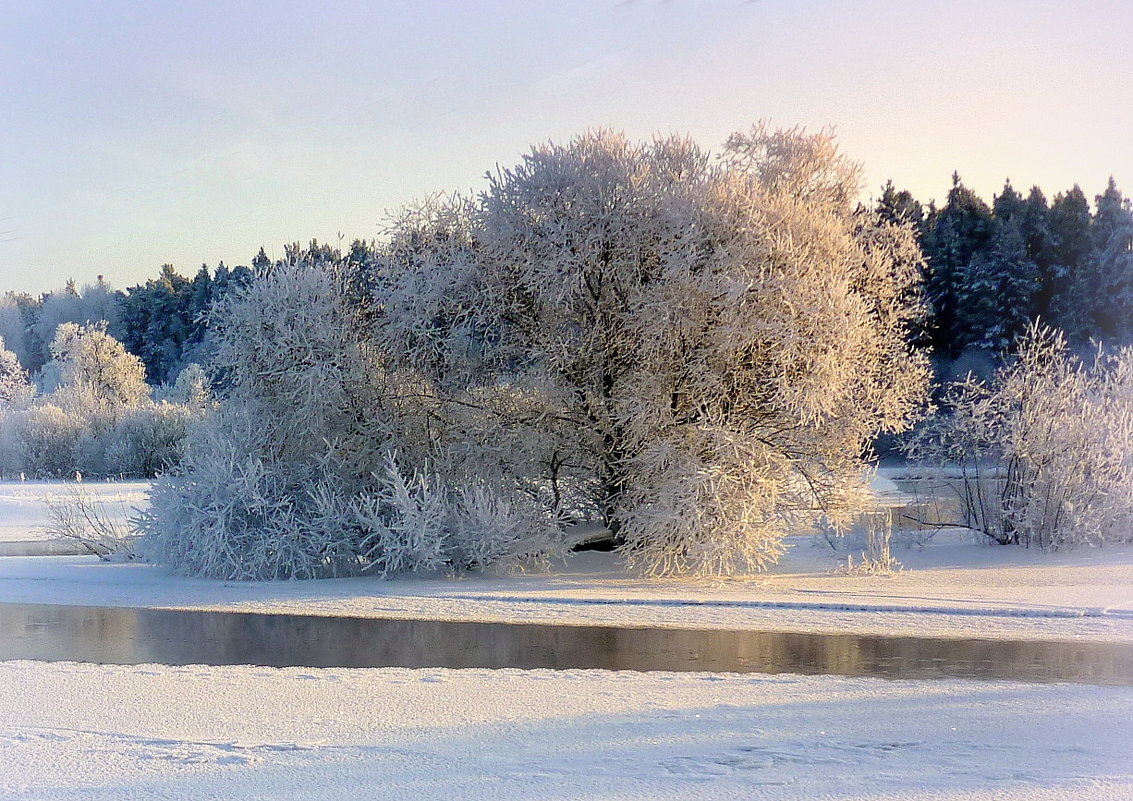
(1009, 204)
(997, 293)
(1038, 238)
(900, 208)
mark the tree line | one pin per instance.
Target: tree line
(992, 269)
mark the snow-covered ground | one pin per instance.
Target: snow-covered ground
(70, 731)
(24, 514)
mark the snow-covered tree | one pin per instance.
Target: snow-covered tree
(13, 325)
(16, 393)
(962, 229)
(697, 351)
(94, 304)
(1109, 285)
(997, 294)
(92, 367)
(192, 388)
(94, 413)
(15, 389)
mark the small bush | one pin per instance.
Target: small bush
(1044, 453)
(80, 516)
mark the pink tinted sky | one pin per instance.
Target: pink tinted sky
(139, 133)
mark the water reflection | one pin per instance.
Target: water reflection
(133, 636)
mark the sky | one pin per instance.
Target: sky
(134, 134)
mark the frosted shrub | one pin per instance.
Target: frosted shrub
(149, 439)
(227, 514)
(81, 516)
(192, 388)
(1045, 451)
(49, 440)
(292, 475)
(693, 352)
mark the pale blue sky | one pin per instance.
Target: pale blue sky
(138, 133)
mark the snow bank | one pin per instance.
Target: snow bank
(951, 586)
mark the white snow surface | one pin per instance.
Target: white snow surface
(92, 732)
(24, 514)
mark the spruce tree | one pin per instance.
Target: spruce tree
(1107, 282)
(1070, 246)
(962, 228)
(1039, 241)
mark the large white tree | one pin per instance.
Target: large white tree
(694, 351)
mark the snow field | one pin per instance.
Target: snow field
(76, 731)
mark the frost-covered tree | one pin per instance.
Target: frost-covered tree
(92, 389)
(1045, 449)
(1070, 249)
(696, 351)
(94, 304)
(899, 206)
(1108, 284)
(997, 294)
(15, 394)
(91, 366)
(15, 389)
(13, 324)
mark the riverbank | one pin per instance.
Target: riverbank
(949, 587)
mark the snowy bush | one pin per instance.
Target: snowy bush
(80, 516)
(694, 352)
(192, 388)
(149, 439)
(292, 475)
(48, 440)
(1045, 451)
